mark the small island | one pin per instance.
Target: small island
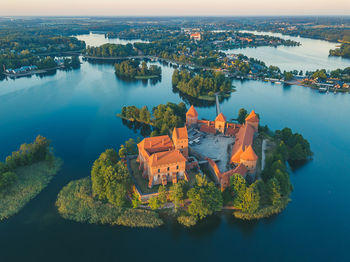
(131, 69)
(202, 86)
(195, 169)
(25, 174)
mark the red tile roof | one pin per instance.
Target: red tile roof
(249, 154)
(220, 118)
(180, 133)
(155, 144)
(252, 117)
(167, 157)
(192, 112)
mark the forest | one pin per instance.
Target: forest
(131, 69)
(203, 84)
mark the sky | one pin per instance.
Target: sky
(173, 7)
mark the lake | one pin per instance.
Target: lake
(95, 39)
(311, 55)
(76, 110)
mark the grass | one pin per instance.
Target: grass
(31, 181)
(75, 202)
(263, 212)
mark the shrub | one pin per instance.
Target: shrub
(187, 221)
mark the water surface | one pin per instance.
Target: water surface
(76, 110)
(311, 55)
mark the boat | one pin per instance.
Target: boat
(323, 89)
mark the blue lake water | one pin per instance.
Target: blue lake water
(76, 110)
(309, 56)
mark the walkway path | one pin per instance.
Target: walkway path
(218, 111)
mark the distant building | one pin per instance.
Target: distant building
(196, 36)
(191, 116)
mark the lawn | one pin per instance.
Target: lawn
(31, 181)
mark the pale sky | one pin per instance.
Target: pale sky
(173, 7)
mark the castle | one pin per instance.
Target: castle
(164, 159)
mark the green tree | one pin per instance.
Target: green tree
(154, 203)
(238, 185)
(177, 193)
(7, 179)
(242, 114)
(135, 201)
(274, 189)
(122, 151)
(162, 195)
(251, 199)
(205, 198)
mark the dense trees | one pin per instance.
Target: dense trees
(295, 146)
(201, 84)
(27, 154)
(131, 69)
(163, 117)
(111, 50)
(343, 50)
(177, 193)
(205, 198)
(110, 178)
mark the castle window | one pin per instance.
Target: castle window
(168, 168)
(158, 170)
(177, 167)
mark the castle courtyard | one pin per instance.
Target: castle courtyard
(215, 147)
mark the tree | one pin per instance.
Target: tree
(177, 193)
(238, 185)
(284, 182)
(288, 76)
(162, 195)
(110, 178)
(154, 203)
(251, 199)
(136, 202)
(206, 198)
(242, 114)
(274, 189)
(122, 151)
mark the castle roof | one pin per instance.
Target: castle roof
(240, 169)
(236, 157)
(155, 144)
(249, 154)
(166, 158)
(180, 133)
(252, 117)
(220, 118)
(192, 112)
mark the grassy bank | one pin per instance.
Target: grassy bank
(263, 212)
(75, 202)
(31, 181)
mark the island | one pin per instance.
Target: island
(197, 168)
(25, 174)
(131, 69)
(202, 86)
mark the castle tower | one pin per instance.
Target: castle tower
(249, 158)
(180, 140)
(220, 122)
(191, 116)
(253, 120)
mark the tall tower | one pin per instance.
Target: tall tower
(191, 116)
(253, 120)
(180, 140)
(220, 123)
